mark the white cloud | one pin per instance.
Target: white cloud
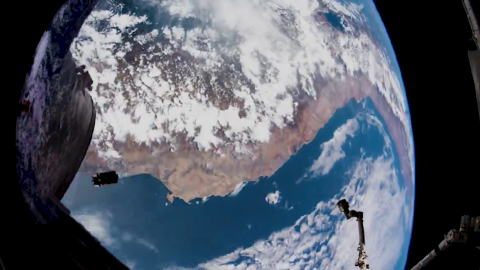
(127, 237)
(147, 244)
(130, 264)
(98, 224)
(382, 202)
(324, 239)
(332, 149)
(273, 198)
(237, 189)
(374, 185)
(281, 41)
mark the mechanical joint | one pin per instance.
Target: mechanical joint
(464, 223)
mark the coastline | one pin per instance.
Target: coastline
(190, 174)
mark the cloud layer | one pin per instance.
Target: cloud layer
(323, 239)
(278, 51)
(102, 226)
(332, 149)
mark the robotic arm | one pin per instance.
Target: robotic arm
(362, 255)
(467, 225)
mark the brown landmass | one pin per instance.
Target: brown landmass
(190, 173)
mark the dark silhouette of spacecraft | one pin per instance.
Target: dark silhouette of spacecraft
(106, 178)
(469, 233)
(469, 228)
(71, 120)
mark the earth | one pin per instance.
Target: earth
(236, 126)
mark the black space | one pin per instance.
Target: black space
(430, 42)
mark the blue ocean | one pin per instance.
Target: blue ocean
(187, 234)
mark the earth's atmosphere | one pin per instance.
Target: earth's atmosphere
(259, 116)
(351, 157)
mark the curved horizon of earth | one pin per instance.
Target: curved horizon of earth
(287, 221)
(258, 116)
(205, 100)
